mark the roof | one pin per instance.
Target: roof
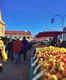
(18, 32)
(49, 34)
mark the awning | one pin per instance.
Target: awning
(49, 34)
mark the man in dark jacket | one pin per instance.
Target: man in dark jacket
(9, 48)
(24, 47)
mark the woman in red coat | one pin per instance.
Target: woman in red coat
(17, 46)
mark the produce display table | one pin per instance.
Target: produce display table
(48, 63)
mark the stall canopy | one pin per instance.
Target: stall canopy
(49, 34)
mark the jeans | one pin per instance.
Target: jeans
(17, 58)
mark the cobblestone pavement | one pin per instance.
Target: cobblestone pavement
(15, 71)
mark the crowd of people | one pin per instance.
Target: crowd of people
(15, 48)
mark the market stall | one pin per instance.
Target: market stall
(49, 63)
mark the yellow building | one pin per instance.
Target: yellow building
(18, 34)
(2, 26)
(13, 34)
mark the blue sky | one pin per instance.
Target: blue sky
(33, 15)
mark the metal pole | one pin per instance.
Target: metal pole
(62, 24)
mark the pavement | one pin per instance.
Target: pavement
(15, 71)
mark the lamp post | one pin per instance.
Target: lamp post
(62, 24)
(62, 19)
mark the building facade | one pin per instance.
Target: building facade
(61, 35)
(18, 34)
(2, 26)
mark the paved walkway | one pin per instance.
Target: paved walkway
(15, 72)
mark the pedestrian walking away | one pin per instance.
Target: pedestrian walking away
(17, 46)
(25, 44)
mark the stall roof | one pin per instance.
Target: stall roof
(49, 34)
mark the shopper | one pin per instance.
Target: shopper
(25, 44)
(17, 46)
(9, 48)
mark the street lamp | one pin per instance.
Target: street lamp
(62, 24)
(62, 18)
